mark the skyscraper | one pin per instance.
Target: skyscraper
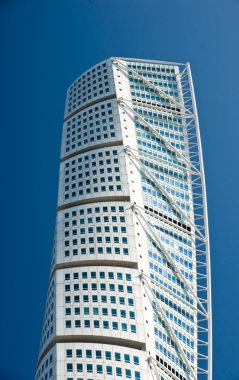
(129, 289)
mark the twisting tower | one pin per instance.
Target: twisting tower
(129, 289)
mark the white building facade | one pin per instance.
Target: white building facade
(129, 290)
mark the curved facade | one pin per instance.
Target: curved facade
(129, 289)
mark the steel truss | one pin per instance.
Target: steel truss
(160, 311)
(190, 161)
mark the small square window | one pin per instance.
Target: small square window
(79, 353)
(69, 367)
(98, 354)
(69, 353)
(107, 355)
(89, 353)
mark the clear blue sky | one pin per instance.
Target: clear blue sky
(45, 45)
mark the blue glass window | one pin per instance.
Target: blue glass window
(118, 371)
